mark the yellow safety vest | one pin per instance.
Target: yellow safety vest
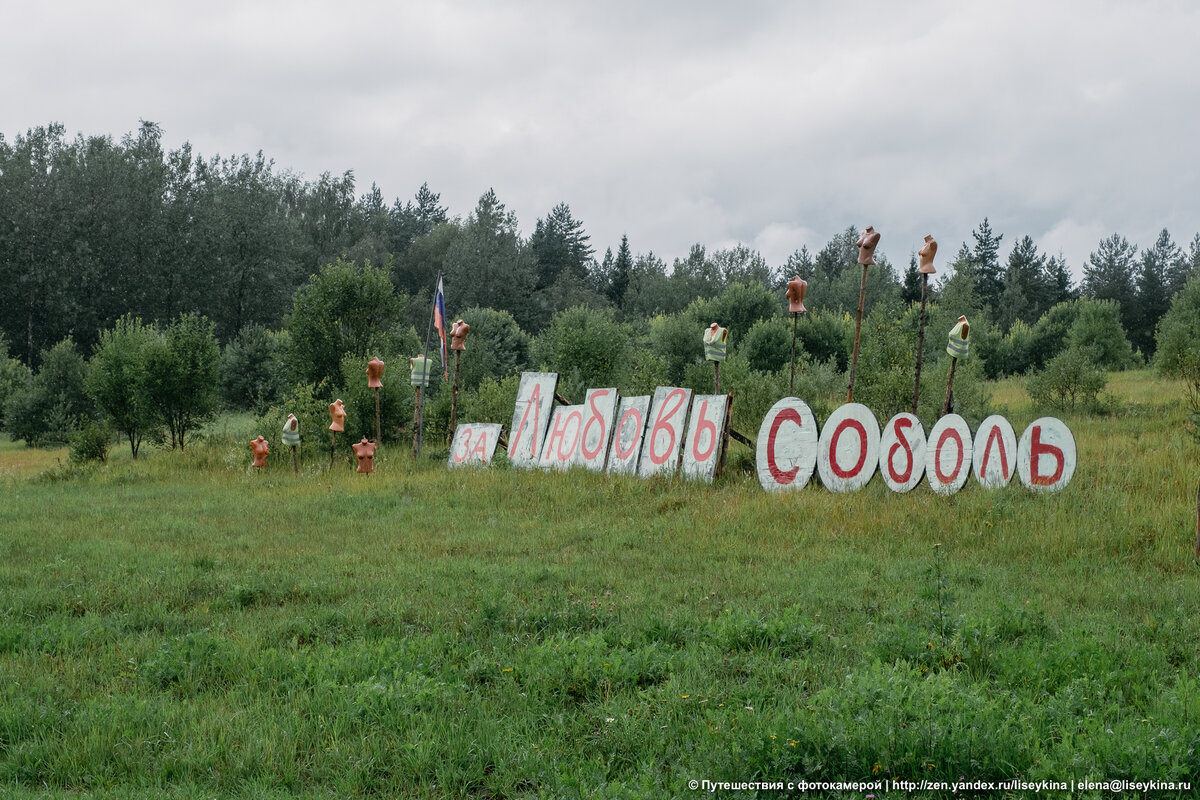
(422, 370)
(291, 437)
(957, 346)
(714, 343)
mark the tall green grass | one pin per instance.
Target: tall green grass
(186, 626)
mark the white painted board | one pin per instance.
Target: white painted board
(664, 431)
(785, 452)
(561, 448)
(848, 451)
(703, 444)
(994, 453)
(948, 455)
(531, 417)
(627, 435)
(902, 452)
(599, 414)
(1046, 455)
(474, 443)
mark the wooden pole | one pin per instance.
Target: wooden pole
(454, 395)
(295, 463)
(417, 422)
(920, 343)
(949, 387)
(1198, 523)
(792, 382)
(862, 299)
(725, 427)
(716, 377)
(378, 438)
(332, 439)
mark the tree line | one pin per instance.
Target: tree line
(293, 277)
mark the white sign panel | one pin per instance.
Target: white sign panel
(664, 431)
(948, 455)
(1046, 455)
(600, 409)
(994, 456)
(627, 435)
(561, 449)
(848, 451)
(786, 451)
(531, 416)
(902, 452)
(703, 443)
(474, 443)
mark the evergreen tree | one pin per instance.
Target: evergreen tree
(618, 277)
(1109, 275)
(560, 245)
(1057, 283)
(1023, 297)
(910, 291)
(1153, 293)
(985, 261)
(800, 263)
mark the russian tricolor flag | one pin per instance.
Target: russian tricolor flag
(439, 322)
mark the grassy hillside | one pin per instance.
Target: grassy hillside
(182, 626)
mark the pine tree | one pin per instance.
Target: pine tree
(1153, 292)
(985, 261)
(1109, 275)
(910, 291)
(618, 281)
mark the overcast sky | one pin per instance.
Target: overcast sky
(768, 123)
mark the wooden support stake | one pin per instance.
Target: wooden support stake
(378, 438)
(1198, 523)
(417, 422)
(454, 395)
(562, 399)
(737, 437)
(332, 441)
(716, 377)
(792, 382)
(295, 463)
(949, 387)
(725, 431)
(862, 299)
(920, 343)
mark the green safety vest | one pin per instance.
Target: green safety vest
(714, 344)
(422, 370)
(957, 346)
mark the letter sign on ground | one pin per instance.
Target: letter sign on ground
(704, 440)
(948, 455)
(627, 436)
(902, 452)
(561, 449)
(531, 416)
(995, 452)
(664, 431)
(600, 407)
(848, 452)
(1046, 455)
(474, 443)
(786, 451)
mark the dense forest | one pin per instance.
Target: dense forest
(99, 236)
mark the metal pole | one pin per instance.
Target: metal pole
(420, 432)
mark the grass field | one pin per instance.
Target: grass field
(181, 627)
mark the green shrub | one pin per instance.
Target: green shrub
(1071, 381)
(90, 442)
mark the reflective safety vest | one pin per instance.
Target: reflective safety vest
(957, 347)
(422, 369)
(714, 343)
(291, 432)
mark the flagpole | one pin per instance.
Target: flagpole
(425, 352)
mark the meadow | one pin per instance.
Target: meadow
(184, 626)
